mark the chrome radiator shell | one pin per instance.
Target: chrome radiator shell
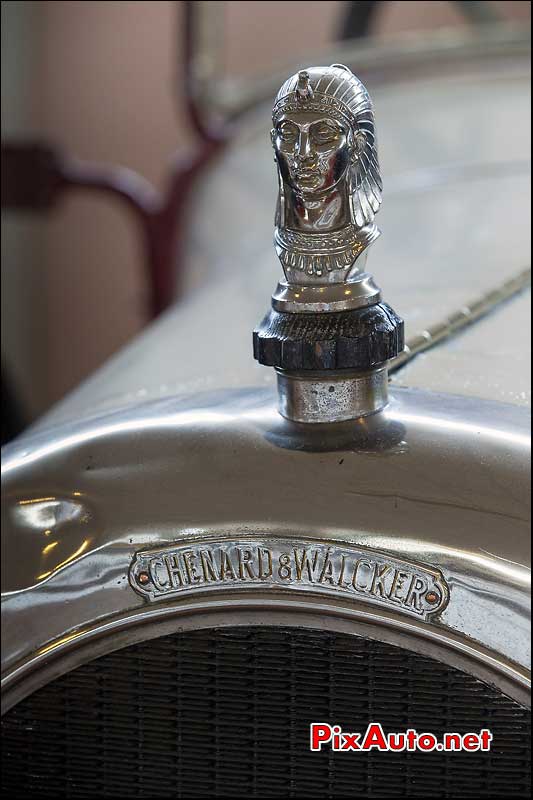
(416, 482)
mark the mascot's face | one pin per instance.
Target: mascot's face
(313, 151)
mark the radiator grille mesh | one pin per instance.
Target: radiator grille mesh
(226, 712)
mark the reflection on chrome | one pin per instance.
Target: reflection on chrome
(36, 500)
(47, 514)
(454, 427)
(83, 547)
(49, 547)
(487, 564)
(143, 420)
(58, 643)
(177, 419)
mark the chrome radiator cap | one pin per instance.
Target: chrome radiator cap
(328, 334)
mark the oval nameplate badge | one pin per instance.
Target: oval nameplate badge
(293, 565)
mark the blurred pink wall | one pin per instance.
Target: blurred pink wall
(108, 94)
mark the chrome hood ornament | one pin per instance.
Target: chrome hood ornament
(329, 188)
(327, 315)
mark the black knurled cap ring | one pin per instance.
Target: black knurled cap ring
(358, 340)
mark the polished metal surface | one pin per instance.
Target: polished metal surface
(331, 396)
(360, 292)
(329, 190)
(434, 480)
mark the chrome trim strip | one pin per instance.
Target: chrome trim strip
(462, 318)
(86, 644)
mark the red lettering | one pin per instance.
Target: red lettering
(411, 739)
(374, 737)
(471, 742)
(452, 742)
(396, 741)
(350, 741)
(486, 738)
(320, 734)
(427, 741)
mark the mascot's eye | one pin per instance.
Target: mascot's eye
(287, 132)
(324, 132)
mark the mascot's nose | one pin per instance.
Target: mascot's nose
(305, 152)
